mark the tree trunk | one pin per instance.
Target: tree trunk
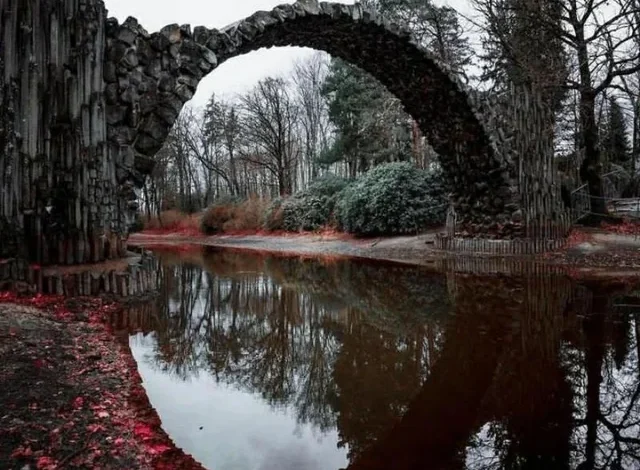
(635, 149)
(591, 167)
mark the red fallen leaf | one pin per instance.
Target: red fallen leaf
(78, 402)
(39, 363)
(95, 428)
(156, 449)
(46, 463)
(119, 441)
(103, 414)
(21, 452)
(7, 296)
(143, 431)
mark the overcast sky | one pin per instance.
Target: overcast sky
(240, 73)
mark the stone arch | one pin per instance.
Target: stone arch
(149, 77)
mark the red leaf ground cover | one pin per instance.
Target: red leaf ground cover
(70, 392)
(628, 227)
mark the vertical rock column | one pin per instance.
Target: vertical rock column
(60, 202)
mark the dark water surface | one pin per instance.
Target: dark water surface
(268, 363)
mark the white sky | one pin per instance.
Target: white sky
(240, 73)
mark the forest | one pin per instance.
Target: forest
(328, 145)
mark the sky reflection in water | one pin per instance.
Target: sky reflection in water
(300, 364)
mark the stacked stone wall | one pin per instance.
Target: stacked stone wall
(60, 201)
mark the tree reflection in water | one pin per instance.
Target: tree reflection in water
(414, 369)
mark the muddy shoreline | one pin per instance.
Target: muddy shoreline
(592, 255)
(71, 392)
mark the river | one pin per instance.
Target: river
(256, 362)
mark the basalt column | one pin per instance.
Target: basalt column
(60, 200)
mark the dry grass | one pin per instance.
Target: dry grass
(247, 217)
(173, 221)
(252, 216)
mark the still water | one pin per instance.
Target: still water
(260, 363)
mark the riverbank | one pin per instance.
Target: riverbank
(71, 393)
(588, 252)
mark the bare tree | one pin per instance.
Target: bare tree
(269, 124)
(222, 128)
(308, 77)
(597, 35)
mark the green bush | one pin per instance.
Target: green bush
(392, 199)
(312, 208)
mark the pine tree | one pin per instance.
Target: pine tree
(370, 124)
(615, 144)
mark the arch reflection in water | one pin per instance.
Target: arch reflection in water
(302, 364)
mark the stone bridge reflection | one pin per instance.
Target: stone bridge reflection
(414, 369)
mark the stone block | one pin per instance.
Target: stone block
(126, 35)
(172, 32)
(147, 145)
(115, 114)
(201, 35)
(109, 72)
(159, 42)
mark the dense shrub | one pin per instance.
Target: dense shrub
(390, 199)
(232, 214)
(246, 216)
(217, 215)
(273, 219)
(312, 208)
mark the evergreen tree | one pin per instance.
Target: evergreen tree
(370, 124)
(615, 140)
(522, 46)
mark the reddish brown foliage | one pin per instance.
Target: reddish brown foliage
(247, 216)
(173, 221)
(215, 217)
(628, 227)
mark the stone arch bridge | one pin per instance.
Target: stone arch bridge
(86, 102)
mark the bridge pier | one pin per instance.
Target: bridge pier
(64, 198)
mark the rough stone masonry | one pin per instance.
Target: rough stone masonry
(86, 102)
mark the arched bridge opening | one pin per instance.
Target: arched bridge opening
(86, 102)
(151, 76)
